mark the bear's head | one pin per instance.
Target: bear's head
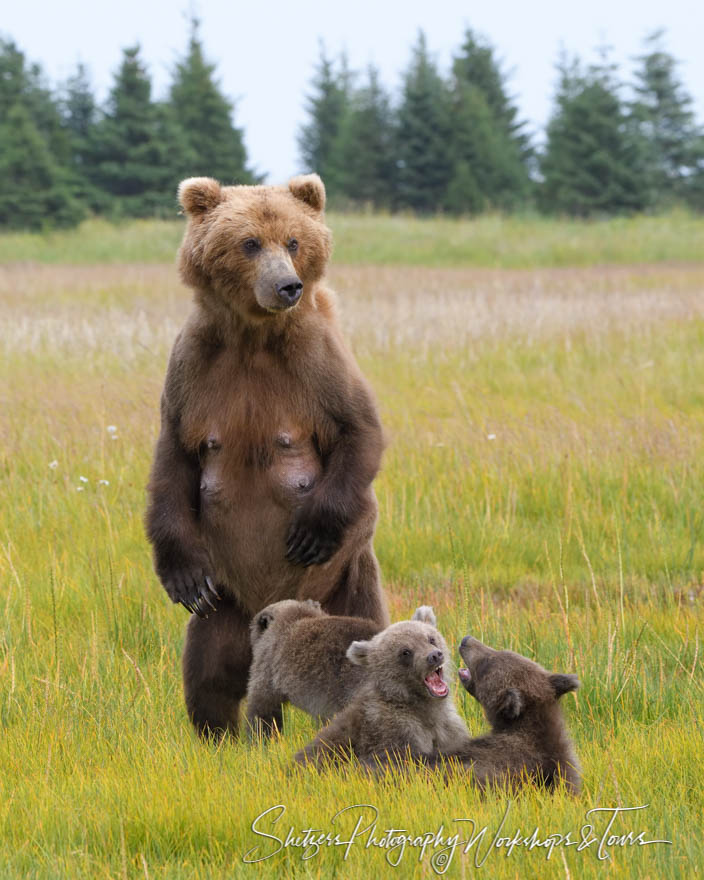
(256, 249)
(404, 662)
(285, 612)
(509, 687)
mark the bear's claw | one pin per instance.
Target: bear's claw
(193, 590)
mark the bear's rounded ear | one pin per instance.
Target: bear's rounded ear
(262, 620)
(199, 194)
(309, 188)
(358, 653)
(563, 683)
(425, 614)
(313, 604)
(511, 704)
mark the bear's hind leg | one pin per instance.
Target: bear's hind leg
(216, 660)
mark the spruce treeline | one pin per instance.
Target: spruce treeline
(63, 157)
(445, 142)
(456, 144)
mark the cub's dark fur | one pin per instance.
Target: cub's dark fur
(300, 656)
(528, 738)
(402, 702)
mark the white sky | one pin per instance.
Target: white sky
(265, 52)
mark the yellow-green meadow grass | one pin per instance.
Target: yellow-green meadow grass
(542, 489)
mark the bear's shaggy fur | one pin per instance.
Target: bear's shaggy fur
(299, 655)
(261, 486)
(402, 704)
(528, 739)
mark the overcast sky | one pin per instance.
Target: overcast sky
(266, 51)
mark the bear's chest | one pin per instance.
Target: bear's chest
(284, 466)
(253, 426)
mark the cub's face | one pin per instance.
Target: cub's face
(405, 661)
(507, 685)
(257, 248)
(281, 613)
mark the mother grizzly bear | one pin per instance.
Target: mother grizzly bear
(260, 488)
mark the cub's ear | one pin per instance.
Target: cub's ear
(511, 704)
(199, 194)
(309, 188)
(313, 604)
(563, 684)
(263, 620)
(358, 653)
(425, 614)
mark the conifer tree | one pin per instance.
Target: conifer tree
(364, 150)
(79, 114)
(672, 142)
(490, 152)
(37, 189)
(326, 106)
(136, 150)
(214, 145)
(475, 147)
(79, 110)
(477, 65)
(22, 83)
(34, 192)
(423, 135)
(592, 163)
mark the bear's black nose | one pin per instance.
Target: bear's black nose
(465, 641)
(289, 290)
(435, 658)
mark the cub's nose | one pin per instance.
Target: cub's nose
(289, 290)
(465, 641)
(435, 658)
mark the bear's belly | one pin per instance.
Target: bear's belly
(246, 510)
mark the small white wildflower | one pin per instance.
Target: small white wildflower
(111, 429)
(79, 488)
(491, 436)
(104, 482)
(83, 479)
(114, 436)
(53, 464)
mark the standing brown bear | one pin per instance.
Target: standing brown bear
(261, 486)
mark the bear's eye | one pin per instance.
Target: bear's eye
(432, 641)
(292, 245)
(405, 655)
(252, 245)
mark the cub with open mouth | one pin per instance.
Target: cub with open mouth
(299, 656)
(528, 740)
(402, 705)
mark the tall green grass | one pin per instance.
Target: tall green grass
(542, 492)
(490, 240)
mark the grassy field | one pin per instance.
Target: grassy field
(490, 240)
(542, 489)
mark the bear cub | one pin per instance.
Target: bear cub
(528, 738)
(403, 701)
(299, 655)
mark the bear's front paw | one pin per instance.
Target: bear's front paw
(313, 537)
(193, 588)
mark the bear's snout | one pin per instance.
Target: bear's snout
(289, 290)
(435, 658)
